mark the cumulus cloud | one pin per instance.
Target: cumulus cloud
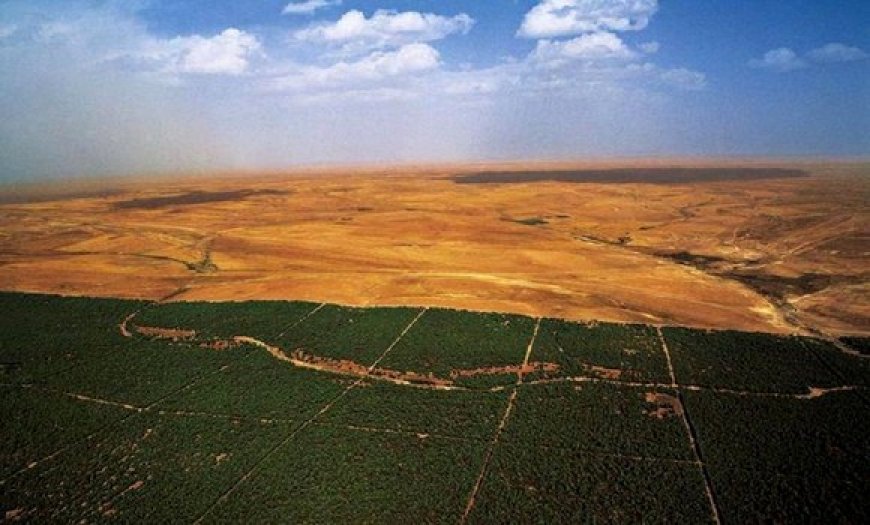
(81, 90)
(354, 32)
(225, 53)
(836, 52)
(377, 66)
(592, 46)
(554, 18)
(308, 7)
(781, 60)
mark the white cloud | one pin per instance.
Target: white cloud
(553, 18)
(227, 53)
(308, 7)
(836, 52)
(593, 46)
(89, 102)
(781, 60)
(354, 33)
(378, 66)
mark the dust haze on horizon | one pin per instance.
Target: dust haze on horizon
(111, 87)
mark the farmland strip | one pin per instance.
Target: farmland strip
(812, 392)
(231, 417)
(690, 431)
(32, 465)
(299, 321)
(420, 435)
(188, 386)
(488, 457)
(667, 356)
(397, 339)
(616, 455)
(223, 497)
(133, 410)
(529, 350)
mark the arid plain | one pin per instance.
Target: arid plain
(761, 246)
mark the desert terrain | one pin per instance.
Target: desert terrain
(749, 245)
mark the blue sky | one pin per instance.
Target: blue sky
(112, 87)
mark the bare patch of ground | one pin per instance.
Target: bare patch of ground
(666, 405)
(528, 368)
(175, 334)
(741, 248)
(606, 373)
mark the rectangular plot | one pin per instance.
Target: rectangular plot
(37, 424)
(742, 360)
(154, 469)
(627, 352)
(819, 438)
(140, 372)
(355, 334)
(32, 313)
(600, 417)
(444, 342)
(45, 334)
(260, 386)
(533, 485)
(262, 320)
(329, 475)
(455, 413)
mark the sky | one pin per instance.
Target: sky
(114, 87)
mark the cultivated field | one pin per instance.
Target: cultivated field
(773, 247)
(273, 411)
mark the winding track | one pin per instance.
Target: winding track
(419, 380)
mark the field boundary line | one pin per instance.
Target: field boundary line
(216, 415)
(186, 387)
(696, 449)
(529, 350)
(299, 321)
(229, 492)
(247, 475)
(667, 352)
(811, 393)
(132, 408)
(33, 464)
(397, 339)
(409, 433)
(836, 372)
(613, 455)
(690, 431)
(488, 457)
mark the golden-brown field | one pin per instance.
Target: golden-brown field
(782, 254)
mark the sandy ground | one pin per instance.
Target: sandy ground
(780, 254)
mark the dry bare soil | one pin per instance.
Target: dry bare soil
(757, 246)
